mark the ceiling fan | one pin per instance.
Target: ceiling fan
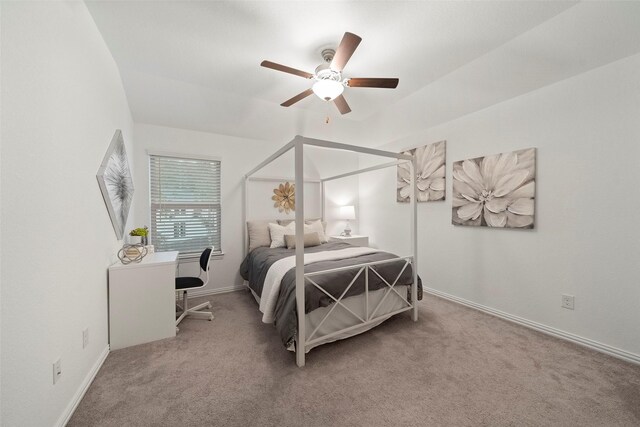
(328, 81)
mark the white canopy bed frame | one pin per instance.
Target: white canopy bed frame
(371, 317)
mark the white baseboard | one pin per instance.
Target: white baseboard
(84, 386)
(205, 292)
(586, 342)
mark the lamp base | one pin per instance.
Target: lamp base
(347, 231)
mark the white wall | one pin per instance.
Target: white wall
(62, 102)
(342, 192)
(238, 156)
(586, 241)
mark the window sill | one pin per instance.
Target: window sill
(195, 257)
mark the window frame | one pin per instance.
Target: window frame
(187, 156)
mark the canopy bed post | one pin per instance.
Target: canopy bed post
(322, 205)
(245, 201)
(414, 239)
(247, 178)
(300, 280)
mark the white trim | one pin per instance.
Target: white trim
(205, 292)
(558, 333)
(84, 386)
(183, 155)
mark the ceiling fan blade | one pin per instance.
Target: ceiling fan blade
(285, 69)
(298, 97)
(368, 82)
(342, 105)
(346, 48)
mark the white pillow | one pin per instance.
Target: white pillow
(277, 234)
(316, 227)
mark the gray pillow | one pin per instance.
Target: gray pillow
(258, 232)
(310, 239)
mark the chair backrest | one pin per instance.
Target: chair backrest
(204, 259)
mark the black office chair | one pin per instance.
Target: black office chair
(184, 284)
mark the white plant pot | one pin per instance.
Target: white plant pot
(134, 240)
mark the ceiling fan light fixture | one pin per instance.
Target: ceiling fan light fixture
(328, 89)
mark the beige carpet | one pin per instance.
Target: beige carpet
(455, 367)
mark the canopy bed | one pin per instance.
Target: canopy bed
(317, 291)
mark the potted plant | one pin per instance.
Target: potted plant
(139, 235)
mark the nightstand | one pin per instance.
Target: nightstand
(354, 240)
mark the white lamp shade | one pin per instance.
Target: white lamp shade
(347, 212)
(327, 89)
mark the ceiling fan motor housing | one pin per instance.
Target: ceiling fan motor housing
(328, 74)
(328, 54)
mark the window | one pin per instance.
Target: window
(184, 195)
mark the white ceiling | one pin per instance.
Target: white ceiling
(195, 65)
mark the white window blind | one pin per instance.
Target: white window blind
(185, 204)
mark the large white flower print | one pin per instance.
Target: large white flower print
(495, 191)
(430, 161)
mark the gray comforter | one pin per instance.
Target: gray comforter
(255, 266)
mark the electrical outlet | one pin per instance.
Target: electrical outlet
(568, 301)
(57, 370)
(85, 338)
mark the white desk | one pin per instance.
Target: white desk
(142, 302)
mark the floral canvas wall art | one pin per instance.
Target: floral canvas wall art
(284, 197)
(430, 166)
(116, 184)
(495, 191)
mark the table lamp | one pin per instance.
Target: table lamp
(348, 213)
